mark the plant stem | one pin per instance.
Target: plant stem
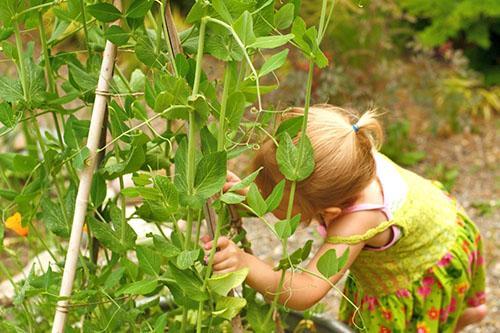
(184, 319)
(291, 198)
(321, 26)
(199, 56)
(223, 108)
(222, 216)
(21, 68)
(48, 72)
(191, 155)
(85, 29)
(293, 187)
(307, 103)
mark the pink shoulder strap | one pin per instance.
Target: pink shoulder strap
(368, 206)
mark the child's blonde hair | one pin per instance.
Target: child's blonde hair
(343, 147)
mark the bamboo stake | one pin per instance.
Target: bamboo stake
(96, 126)
(172, 31)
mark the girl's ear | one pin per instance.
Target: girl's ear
(331, 214)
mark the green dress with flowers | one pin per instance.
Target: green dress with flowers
(429, 275)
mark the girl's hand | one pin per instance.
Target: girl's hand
(228, 258)
(231, 180)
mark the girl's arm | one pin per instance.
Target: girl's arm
(301, 289)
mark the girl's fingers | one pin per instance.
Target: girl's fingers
(232, 177)
(226, 264)
(205, 238)
(222, 242)
(220, 256)
(228, 185)
(224, 271)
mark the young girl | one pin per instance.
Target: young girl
(415, 258)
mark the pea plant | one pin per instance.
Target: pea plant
(86, 120)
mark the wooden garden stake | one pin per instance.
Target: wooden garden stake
(82, 198)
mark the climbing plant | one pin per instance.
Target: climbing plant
(168, 126)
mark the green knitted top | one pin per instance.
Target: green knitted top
(426, 218)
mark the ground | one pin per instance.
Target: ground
(476, 157)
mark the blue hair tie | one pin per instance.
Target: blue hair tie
(355, 128)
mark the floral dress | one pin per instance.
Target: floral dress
(431, 271)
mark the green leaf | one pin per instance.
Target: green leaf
(187, 258)
(223, 47)
(208, 141)
(229, 307)
(24, 164)
(118, 239)
(5, 32)
(245, 182)
(221, 284)
(75, 131)
(177, 93)
(244, 28)
(8, 195)
(231, 198)
(306, 167)
(165, 247)
(83, 80)
(291, 126)
(104, 12)
(190, 284)
(306, 250)
(196, 13)
(139, 8)
(287, 156)
(201, 110)
(161, 323)
(343, 259)
(35, 79)
(284, 16)
(210, 174)
(235, 109)
(160, 201)
(52, 217)
(296, 257)
(221, 9)
(329, 265)
(274, 199)
(135, 159)
(80, 157)
(10, 90)
(149, 262)
(180, 180)
(8, 116)
(271, 42)
(147, 193)
(117, 35)
(142, 287)
(255, 200)
(106, 236)
(98, 190)
(286, 228)
(114, 278)
(145, 52)
(299, 30)
(273, 63)
(311, 38)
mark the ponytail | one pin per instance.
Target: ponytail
(368, 125)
